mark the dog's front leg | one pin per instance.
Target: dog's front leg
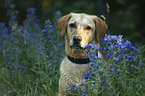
(64, 85)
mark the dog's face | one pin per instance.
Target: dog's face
(81, 29)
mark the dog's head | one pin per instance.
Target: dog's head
(81, 29)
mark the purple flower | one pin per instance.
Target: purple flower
(31, 10)
(84, 90)
(127, 43)
(60, 44)
(14, 59)
(91, 63)
(85, 76)
(83, 94)
(126, 68)
(18, 66)
(76, 88)
(8, 55)
(22, 66)
(25, 71)
(109, 55)
(131, 65)
(115, 71)
(40, 52)
(72, 85)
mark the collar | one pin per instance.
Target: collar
(78, 61)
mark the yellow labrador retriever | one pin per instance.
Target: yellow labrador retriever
(79, 30)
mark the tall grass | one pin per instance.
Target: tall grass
(30, 57)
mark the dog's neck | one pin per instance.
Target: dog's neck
(75, 53)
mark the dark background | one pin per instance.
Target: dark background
(124, 17)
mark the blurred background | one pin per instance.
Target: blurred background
(124, 17)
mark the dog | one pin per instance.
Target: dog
(79, 29)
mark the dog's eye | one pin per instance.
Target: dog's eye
(88, 28)
(72, 25)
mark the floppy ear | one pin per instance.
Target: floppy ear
(101, 28)
(62, 24)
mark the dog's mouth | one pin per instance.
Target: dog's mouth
(76, 46)
(76, 43)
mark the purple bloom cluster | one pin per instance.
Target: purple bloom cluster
(119, 50)
(122, 58)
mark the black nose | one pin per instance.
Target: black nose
(77, 39)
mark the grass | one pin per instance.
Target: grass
(30, 57)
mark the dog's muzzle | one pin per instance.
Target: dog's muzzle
(77, 39)
(77, 42)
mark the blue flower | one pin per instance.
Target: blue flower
(127, 43)
(48, 26)
(40, 52)
(91, 63)
(116, 59)
(94, 85)
(98, 66)
(112, 46)
(83, 94)
(72, 85)
(8, 66)
(110, 42)
(126, 68)
(106, 75)
(13, 58)
(132, 52)
(31, 10)
(126, 59)
(76, 88)
(25, 71)
(18, 66)
(37, 44)
(111, 69)
(8, 55)
(92, 59)
(121, 45)
(60, 44)
(85, 76)
(51, 56)
(115, 71)
(114, 52)
(52, 48)
(22, 66)
(105, 48)
(109, 55)
(84, 90)
(94, 73)
(12, 39)
(90, 76)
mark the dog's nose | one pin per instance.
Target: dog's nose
(77, 39)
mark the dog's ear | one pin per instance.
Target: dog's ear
(62, 24)
(101, 28)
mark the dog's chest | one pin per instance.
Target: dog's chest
(73, 70)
